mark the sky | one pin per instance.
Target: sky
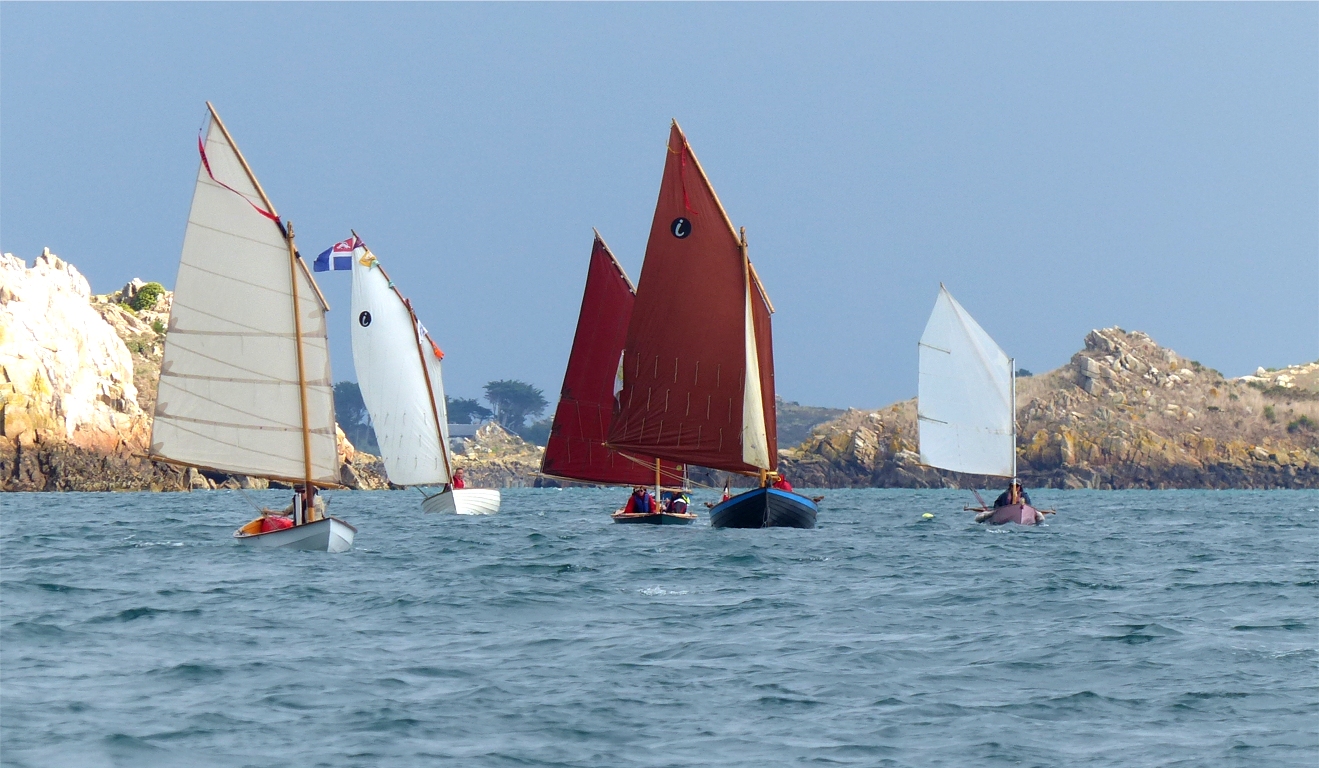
(1060, 167)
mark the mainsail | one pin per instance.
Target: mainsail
(231, 395)
(698, 371)
(965, 403)
(398, 369)
(576, 449)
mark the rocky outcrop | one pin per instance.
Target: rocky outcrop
(1123, 413)
(78, 384)
(497, 458)
(67, 376)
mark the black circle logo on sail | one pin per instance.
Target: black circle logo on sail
(364, 319)
(680, 228)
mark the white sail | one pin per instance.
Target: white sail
(388, 360)
(965, 395)
(755, 437)
(229, 395)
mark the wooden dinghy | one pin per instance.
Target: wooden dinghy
(1021, 514)
(245, 380)
(655, 518)
(576, 449)
(328, 534)
(463, 501)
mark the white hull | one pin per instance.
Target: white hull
(466, 501)
(328, 535)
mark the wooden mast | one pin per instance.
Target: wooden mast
(302, 376)
(421, 356)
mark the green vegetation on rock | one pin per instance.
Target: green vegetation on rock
(146, 296)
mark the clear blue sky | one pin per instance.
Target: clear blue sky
(1060, 167)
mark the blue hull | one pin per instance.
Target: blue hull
(765, 508)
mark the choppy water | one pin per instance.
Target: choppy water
(1136, 629)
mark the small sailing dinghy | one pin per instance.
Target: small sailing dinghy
(576, 449)
(245, 380)
(698, 368)
(966, 405)
(398, 370)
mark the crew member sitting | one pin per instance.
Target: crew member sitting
(675, 502)
(458, 482)
(1013, 495)
(640, 502)
(781, 483)
(272, 520)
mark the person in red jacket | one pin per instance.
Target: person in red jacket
(781, 483)
(640, 502)
(458, 482)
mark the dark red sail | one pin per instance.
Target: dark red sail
(701, 318)
(576, 449)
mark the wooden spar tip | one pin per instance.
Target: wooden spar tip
(614, 260)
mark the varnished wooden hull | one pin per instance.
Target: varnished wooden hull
(654, 518)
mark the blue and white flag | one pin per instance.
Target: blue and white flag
(338, 256)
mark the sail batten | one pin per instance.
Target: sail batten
(576, 449)
(965, 400)
(696, 306)
(400, 378)
(230, 388)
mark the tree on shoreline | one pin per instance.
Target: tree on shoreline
(514, 401)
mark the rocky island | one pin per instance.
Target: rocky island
(78, 376)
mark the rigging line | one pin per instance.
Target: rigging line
(248, 499)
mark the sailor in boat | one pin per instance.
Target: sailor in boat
(1015, 494)
(781, 482)
(458, 482)
(274, 520)
(676, 501)
(640, 502)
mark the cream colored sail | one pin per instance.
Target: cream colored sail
(755, 438)
(229, 395)
(389, 353)
(965, 395)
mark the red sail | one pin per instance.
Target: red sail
(576, 449)
(684, 377)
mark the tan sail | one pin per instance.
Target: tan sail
(230, 395)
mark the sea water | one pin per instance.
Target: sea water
(1169, 628)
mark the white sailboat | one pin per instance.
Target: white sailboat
(398, 370)
(967, 402)
(245, 380)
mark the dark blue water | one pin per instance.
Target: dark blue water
(1136, 629)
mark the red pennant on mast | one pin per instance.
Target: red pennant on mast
(201, 148)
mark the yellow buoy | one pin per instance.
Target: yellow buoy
(928, 515)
